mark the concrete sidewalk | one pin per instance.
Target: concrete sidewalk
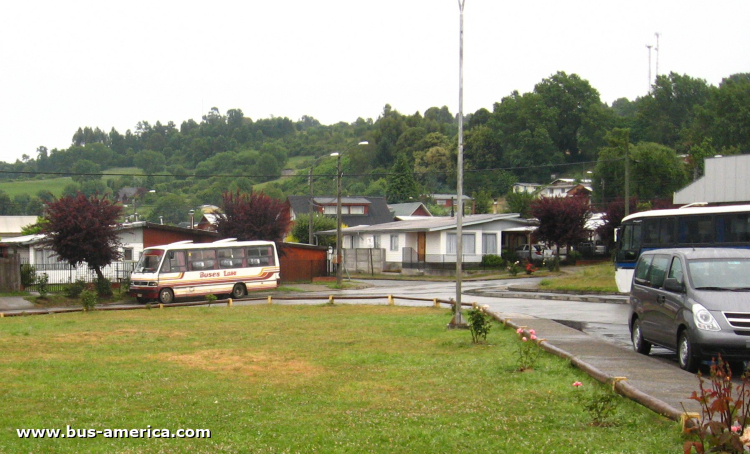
(662, 381)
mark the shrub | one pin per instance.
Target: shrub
(572, 257)
(509, 256)
(492, 261)
(125, 285)
(553, 264)
(28, 275)
(88, 299)
(74, 289)
(41, 285)
(479, 324)
(725, 412)
(514, 268)
(601, 403)
(528, 352)
(104, 287)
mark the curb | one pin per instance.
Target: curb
(549, 296)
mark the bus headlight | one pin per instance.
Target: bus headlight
(703, 319)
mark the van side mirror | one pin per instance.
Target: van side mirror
(673, 285)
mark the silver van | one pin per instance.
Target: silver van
(695, 301)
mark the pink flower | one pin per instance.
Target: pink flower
(524, 338)
(519, 330)
(736, 429)
(532, 332)
(577, 384)
(533, 337)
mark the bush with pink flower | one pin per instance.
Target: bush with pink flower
(528, 351)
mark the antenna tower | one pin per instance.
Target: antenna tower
(657, 52)
(649, 46)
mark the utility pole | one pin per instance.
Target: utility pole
(310, 211)
(458, 320)
(627, 172)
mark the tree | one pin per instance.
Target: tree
(85, 170)
(149, 161)
(254, 216)
(170, 209)
(562, 220)
(519, 202)
(725, 118)
(578, 114)
(483, 202)
(83, 229)
(402, 187)
(320, 223)
(667, 113)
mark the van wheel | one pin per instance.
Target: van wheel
(685, 355)
(238, 291)
(640, 345)
(166, 296)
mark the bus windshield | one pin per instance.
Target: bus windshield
(149, 261)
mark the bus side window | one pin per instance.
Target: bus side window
(651, 231)
(174, 262)
(666, 231)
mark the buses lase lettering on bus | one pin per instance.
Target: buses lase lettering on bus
(217, 274)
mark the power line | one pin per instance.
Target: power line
(331, 175)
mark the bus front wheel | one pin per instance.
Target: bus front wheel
(166, 296)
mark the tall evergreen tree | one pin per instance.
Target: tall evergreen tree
(402, 187)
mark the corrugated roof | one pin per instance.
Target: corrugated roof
(431, 224)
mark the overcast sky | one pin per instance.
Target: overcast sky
(70, 64)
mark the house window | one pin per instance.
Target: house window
(469, 243)
(328, 209)
(127, 254)
(442, 202)
(347, 242)
(489, 243)
(376, 241)
(394, 242)
(357, 210)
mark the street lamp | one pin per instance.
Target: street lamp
(339, 261)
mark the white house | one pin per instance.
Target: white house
(433, 240)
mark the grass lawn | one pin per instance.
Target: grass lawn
(593, 278)
(276, 378)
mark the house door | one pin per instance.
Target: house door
(421, 240)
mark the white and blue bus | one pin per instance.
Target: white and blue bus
(185, 269)
(720, 226)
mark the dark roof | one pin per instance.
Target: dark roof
(379, 213)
